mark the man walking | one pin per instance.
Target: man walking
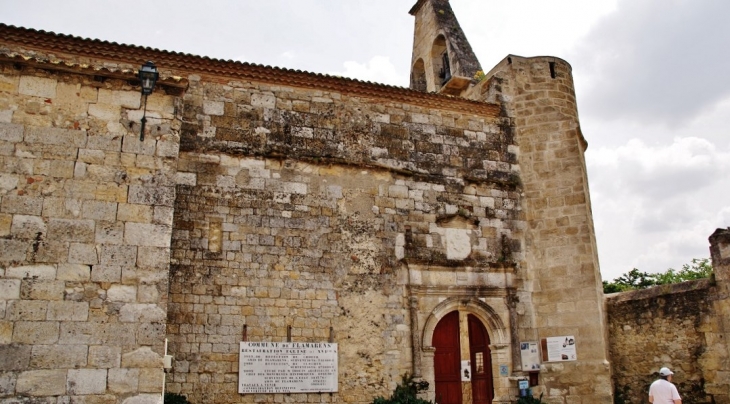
(662, 391)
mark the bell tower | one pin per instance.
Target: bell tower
(443, 60)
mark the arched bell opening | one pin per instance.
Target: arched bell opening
(418, 76)
(440, 62)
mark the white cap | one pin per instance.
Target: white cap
(665, 372)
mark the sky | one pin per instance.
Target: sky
(652, 80)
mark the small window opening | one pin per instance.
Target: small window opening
(552, 69)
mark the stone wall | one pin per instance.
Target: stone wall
(682, 326)
(299, 213)
(85, 223)
(558, 289)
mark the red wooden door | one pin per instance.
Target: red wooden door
(447, 360)
(481, 362)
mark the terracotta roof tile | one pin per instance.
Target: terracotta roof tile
(82, 53)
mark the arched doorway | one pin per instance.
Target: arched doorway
(448, 357)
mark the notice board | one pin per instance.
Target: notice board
(287, 367)
(558, 349)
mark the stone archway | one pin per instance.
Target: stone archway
(474, 310)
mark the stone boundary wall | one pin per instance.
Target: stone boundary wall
(683, 326)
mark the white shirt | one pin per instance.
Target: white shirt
(663, 392)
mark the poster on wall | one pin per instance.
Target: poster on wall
(287, 367)
(465, 371)
(530, 355)
(559, 349)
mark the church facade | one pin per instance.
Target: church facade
(434, 231)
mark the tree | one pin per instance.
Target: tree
(700, 268)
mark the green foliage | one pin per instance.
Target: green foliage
(406, 392)
(700, 268)
(172, 398)
(621, 395)
(529, 399)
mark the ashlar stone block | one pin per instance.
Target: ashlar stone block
(125, 99)
(55, 136)
(68, 311)
(27, 227)
(73, 272)
(37, 86)
(34, 289)
(142, 357)
(22, 205)
(140, 234)
(42, 383)
(11, 132)
(141, 313)
(58, 356)
(80, 231)
(10, 289)
(122, 293)
(102, 356)
(118, 255)
(14, 357)
(41, 272)
(82, 254)
(86, 381)
(26, 310)
(123, 380)
(35, 332)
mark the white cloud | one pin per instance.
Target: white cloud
(655, 205)
(379, 70)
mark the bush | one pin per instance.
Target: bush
(172, 398)
(406, 392)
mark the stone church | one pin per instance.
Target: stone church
(442, 231)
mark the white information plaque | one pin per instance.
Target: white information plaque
(530, 355)
(559, 349)
(287, 367)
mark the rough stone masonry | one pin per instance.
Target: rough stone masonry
(271, 204)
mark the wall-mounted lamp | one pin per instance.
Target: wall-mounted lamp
(148, 75)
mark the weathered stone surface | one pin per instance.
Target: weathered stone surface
(122, 293)
(35, 289)
(82, 254)
(86, 381)
(11, 132)
(141, 234)
(103, 357)
(12, 250)
(55, 136)
(30, 310)
(120, 255)
(141, 313)
(144, 195)
(68, 311)
(40, 272)
(14, 357)
(142, 358)
(7, 383)
(22, 205)
(35, 332)
(58, 356)
(28, 227)
(73, 273)
(40, 383)
(123, 380)
(10, 289)
(38, 86)
(78, 231)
